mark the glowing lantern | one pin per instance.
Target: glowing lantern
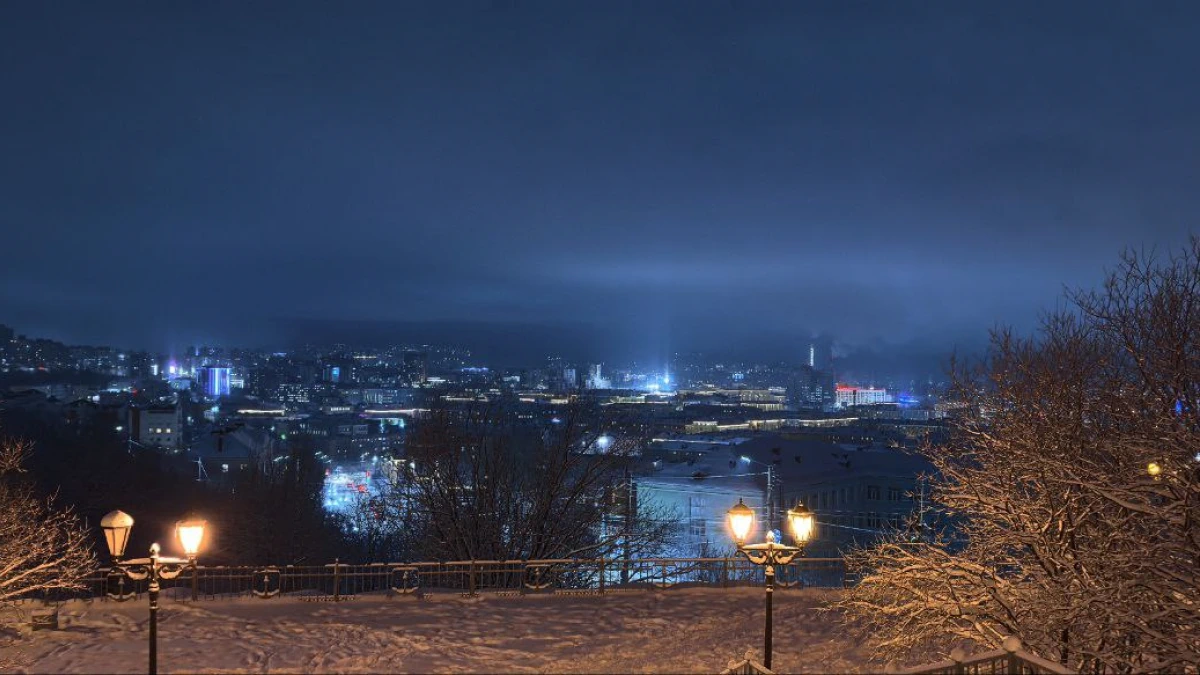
(116, 526)
(802, 522)
(191, 535)
(741, 519)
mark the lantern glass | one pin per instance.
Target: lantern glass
(191, 535)
(116, 526)
(803, 523)
(741, 519)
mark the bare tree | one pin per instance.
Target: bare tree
(477, 487)
(1071, 490)
(374, 529)
(42, 549)
(275, 514)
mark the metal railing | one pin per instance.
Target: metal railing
(747, 666)
(338, 581)
(1010, 659)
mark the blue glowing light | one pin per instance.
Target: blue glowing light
(216, 381)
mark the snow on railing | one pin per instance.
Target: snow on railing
(1010, 659)
(337, 581)
(747, 666)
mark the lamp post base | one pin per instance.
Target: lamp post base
(767, 638)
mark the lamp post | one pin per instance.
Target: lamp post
(116, 526)
(770, 553)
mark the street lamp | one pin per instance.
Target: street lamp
(116, 526)
(770, 553)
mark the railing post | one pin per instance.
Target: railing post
(1012, 645)
(471, 579)
(601, 573)
(957, 655)
(724, 572)
(337, 585)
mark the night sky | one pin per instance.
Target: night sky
(629, 178)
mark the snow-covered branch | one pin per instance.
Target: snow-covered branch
(42, 548)
(1060, 532)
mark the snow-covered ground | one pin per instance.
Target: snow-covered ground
(690, 630)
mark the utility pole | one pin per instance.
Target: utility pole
(201, 472)
(770, 496)
(630, 515)
(921, 510)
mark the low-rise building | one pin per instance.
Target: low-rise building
(857, 495)
(157, 426)
(847, 396)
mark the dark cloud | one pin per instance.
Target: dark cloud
(668, 175)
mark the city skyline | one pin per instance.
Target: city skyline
(835, 335)
(640, 179)
(55, 360)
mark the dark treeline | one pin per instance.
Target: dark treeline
(266, 516)
(473, 486)
(20, 378)
(477, 485)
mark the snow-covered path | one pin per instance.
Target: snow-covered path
(694, 630)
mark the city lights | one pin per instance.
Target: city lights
(888, 305)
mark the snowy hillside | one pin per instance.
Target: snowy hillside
(674, 631)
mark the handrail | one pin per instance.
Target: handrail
(747, 666)
(339, 580)
(1010, 658)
